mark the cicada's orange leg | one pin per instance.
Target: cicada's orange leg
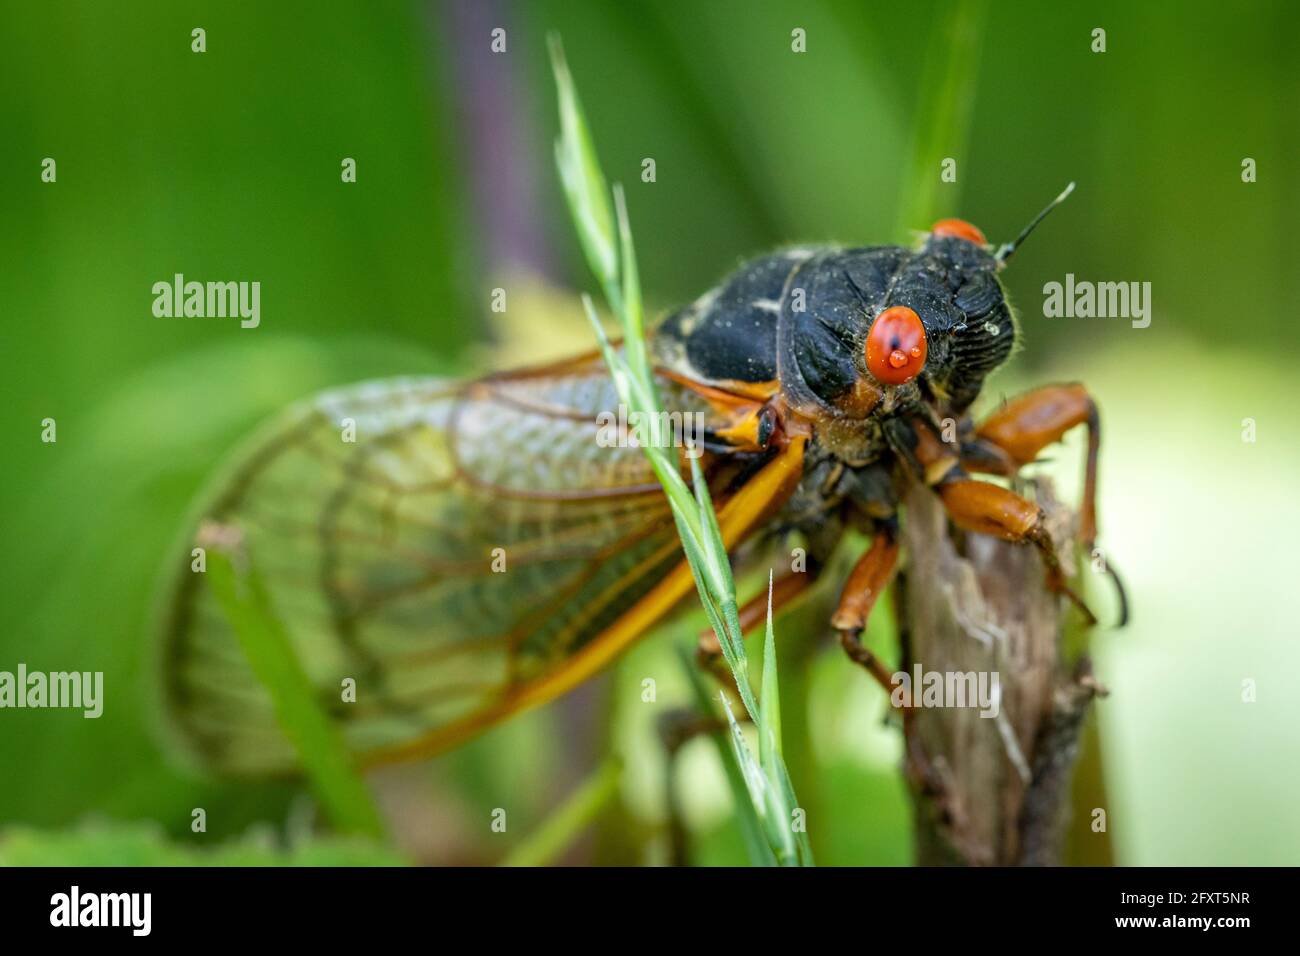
(986, 508)
(866, 582)
(1014, 435)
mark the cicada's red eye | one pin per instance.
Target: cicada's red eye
(896, 346)
(959, 229)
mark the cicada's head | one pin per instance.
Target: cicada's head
(946, 322)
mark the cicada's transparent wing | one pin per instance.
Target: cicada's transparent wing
(450, 547)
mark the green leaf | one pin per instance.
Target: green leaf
(715, 550)
(755, 781)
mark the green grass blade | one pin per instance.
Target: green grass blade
(770, 744)
(802, 847)
(943, 115)
(692, 508)
(755, 781)
(765, 792)
(747, 820)
(719, 565)
(633, 313)
(584, 184)
(558, 832)
(333, 774)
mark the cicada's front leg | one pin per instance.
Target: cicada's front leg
(986, 508)
(1014, 435)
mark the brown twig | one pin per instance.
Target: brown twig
(980, 605)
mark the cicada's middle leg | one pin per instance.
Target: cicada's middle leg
(866, 582)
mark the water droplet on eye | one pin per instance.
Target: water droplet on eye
(916, 351)
(897, 359)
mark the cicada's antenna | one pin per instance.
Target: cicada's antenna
(1008, 249)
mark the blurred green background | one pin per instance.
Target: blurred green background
(226, 165)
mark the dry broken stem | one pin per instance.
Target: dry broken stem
(995, 790)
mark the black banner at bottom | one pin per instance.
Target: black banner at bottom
(338, 905)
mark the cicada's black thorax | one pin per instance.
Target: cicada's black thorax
(801, 317)
(729, 333)
(792, 316)
(828, 307)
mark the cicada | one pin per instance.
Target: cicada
(459, 579)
